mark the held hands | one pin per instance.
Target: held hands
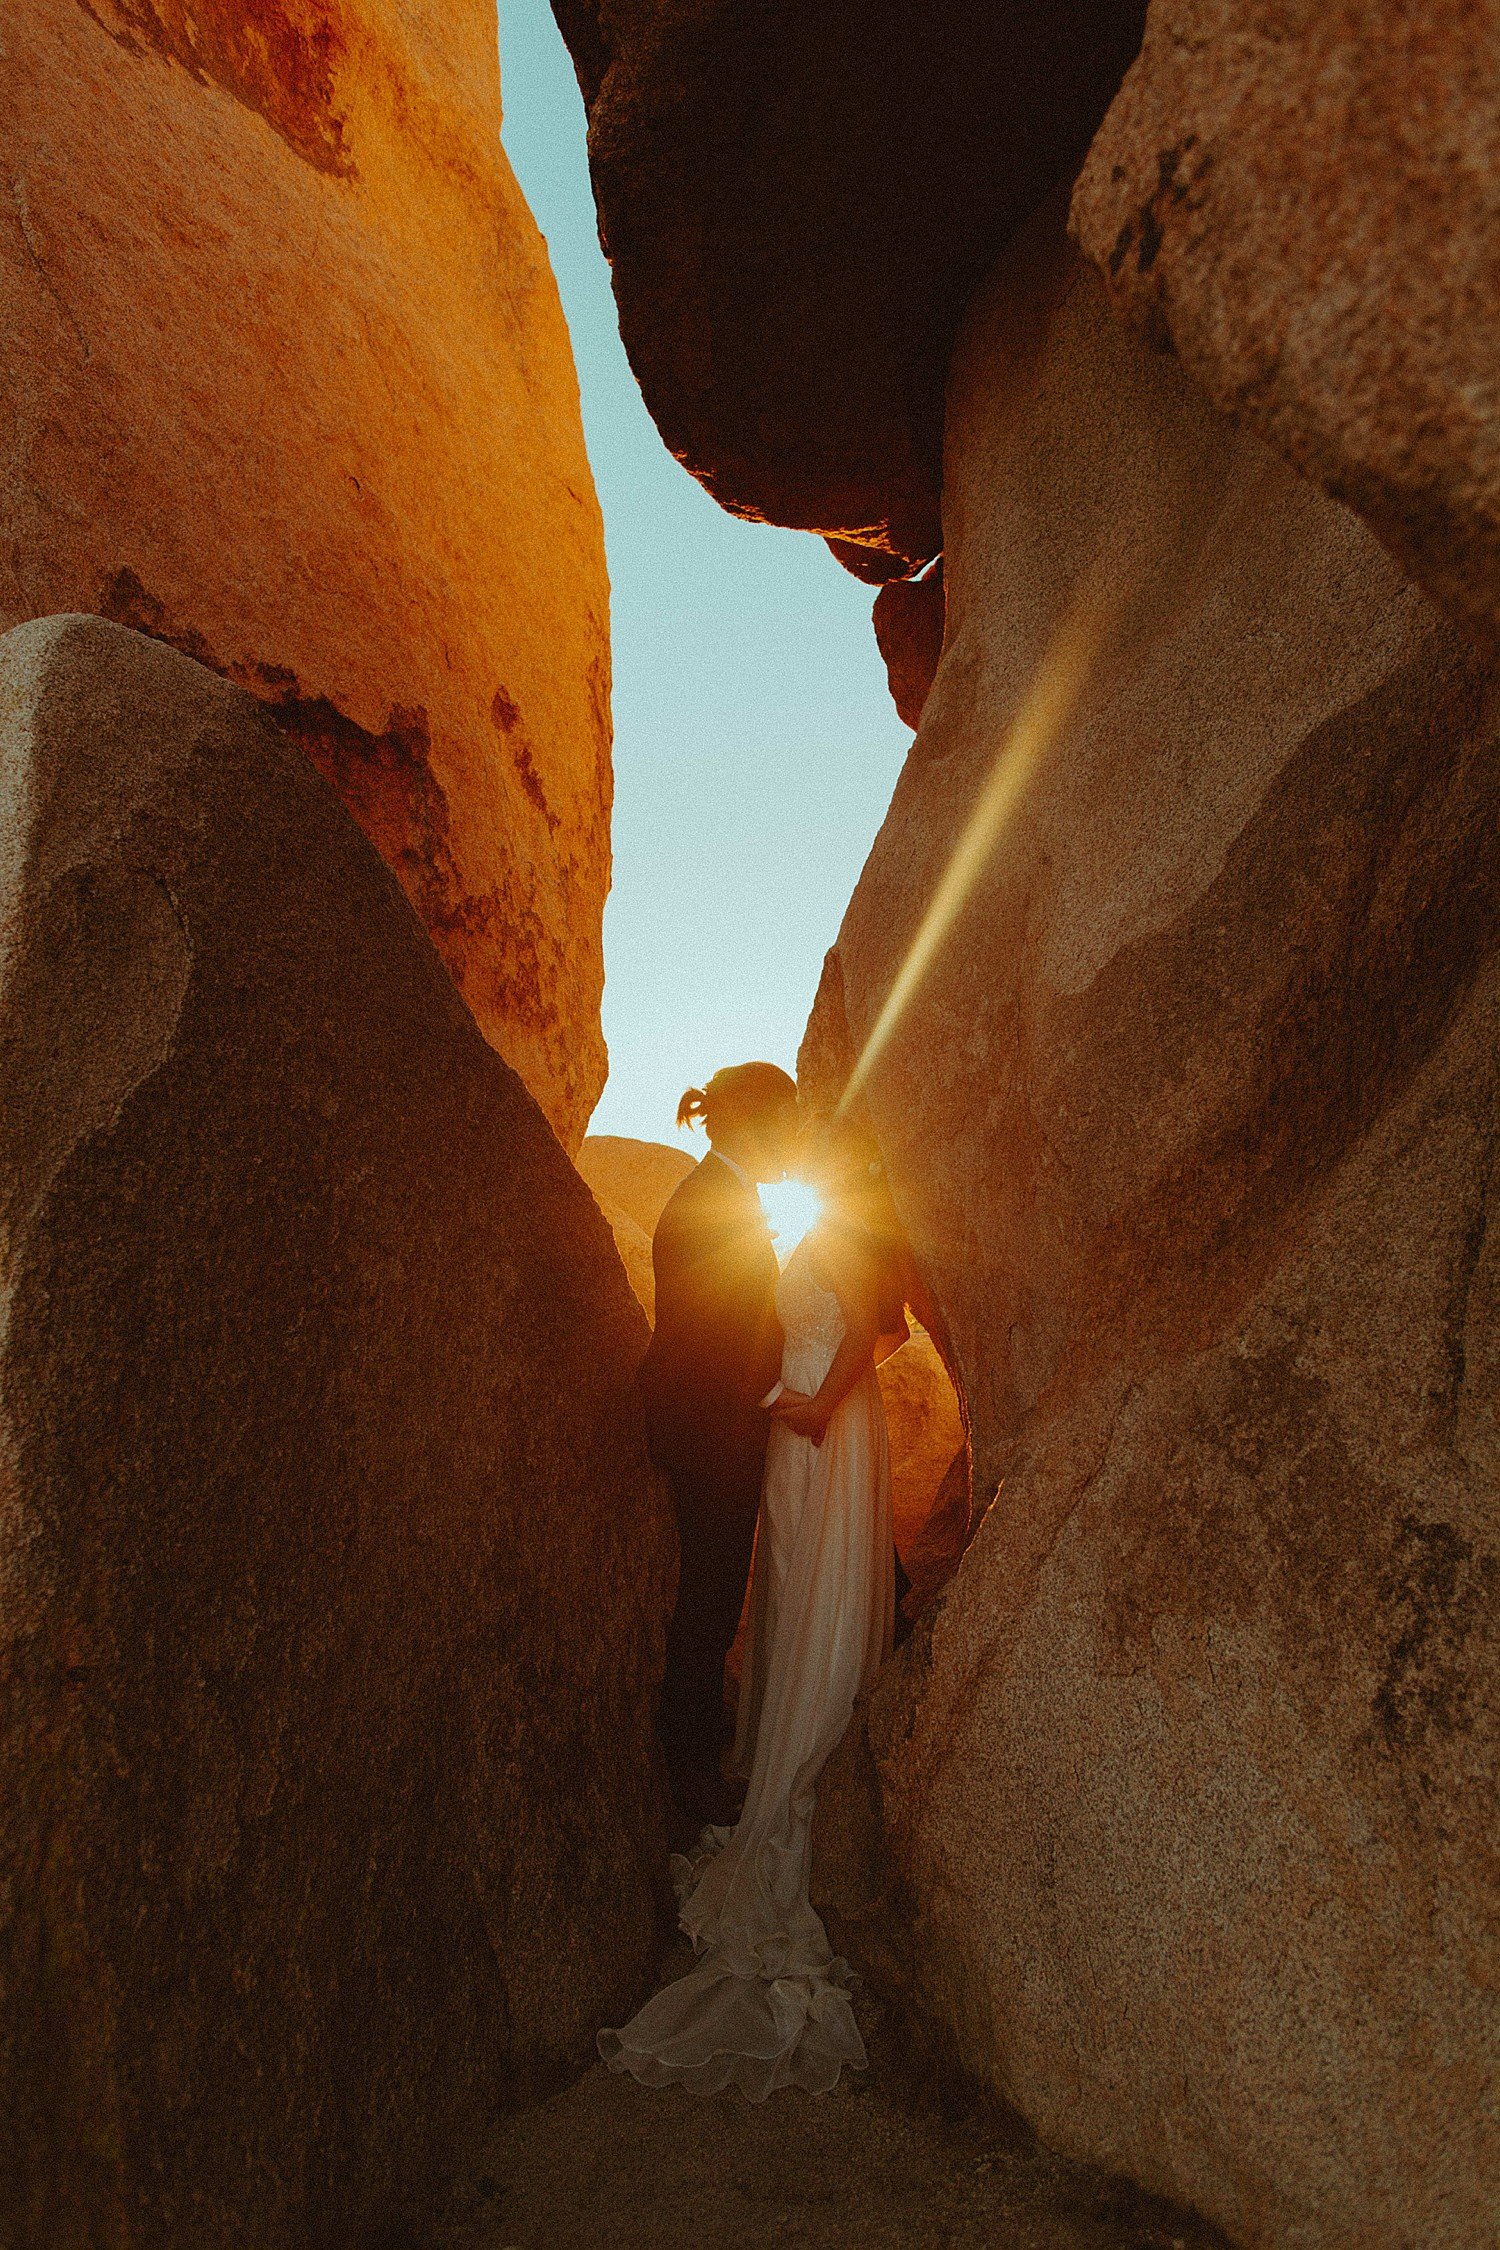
(802, 1414)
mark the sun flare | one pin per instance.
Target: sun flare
(792, 1210)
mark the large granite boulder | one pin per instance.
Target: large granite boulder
(1177, 1816)
(797, 199)
(332, 1572)
(1305, 201)
(631, 1181)
(285, 383)
(634, 1177)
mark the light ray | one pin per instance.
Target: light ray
(1060, 680)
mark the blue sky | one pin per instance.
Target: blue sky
(756, 747)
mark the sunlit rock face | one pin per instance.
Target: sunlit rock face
(1177, 1817)
(286, 384)
(631, 1181)
(796, 202)
(927, 1439)
(332, 1573)
(636, 1177)
(1305, 202)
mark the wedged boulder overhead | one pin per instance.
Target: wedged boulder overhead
(286, 383)
(332, 1571)
(797, 198)
(1305, 202)
(1177, 1815)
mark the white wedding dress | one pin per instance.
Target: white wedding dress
(765, 2004)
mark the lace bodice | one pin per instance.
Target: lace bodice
(812, 1323)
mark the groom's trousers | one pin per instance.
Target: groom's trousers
(716, 1511)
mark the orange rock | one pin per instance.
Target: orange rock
(909, 634)
(286, 384)
(635, 1177)
(797, 201)
(1305, 202)
(1177, 1814)
(927, 1434)
(333, 1575)
(634, 1246)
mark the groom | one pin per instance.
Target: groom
(715, 1353)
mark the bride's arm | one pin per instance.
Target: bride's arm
(851, 1281)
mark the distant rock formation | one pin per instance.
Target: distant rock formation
(1177, 1815)
(286, 384)
(1305, 202)
(636, 1177)
(631, 1181)
(332, 1572)
(797, 200)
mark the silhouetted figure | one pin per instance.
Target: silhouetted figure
(715, 1354)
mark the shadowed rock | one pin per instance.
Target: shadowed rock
(909, 634)
(796, 199)
(332, 1573)
(1176, 1816)
(286, 385)
(1305, 202)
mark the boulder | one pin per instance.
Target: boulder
(1305, 202)
(631, 1181)
(796, 203)
(332, 1572)
(634, 1246)
(286, 384)
(908, 619)
(1175, 1818)
(634, 1177)
(927, 1437)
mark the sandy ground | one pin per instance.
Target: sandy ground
(609, 2165)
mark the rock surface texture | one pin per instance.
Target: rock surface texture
(284, 382)
(927, 1439)
(1177, 1815)
(636, 1177)
(908, 622)
(332, 1573)
(631, 1181)
(796, 202)
(1304, 200)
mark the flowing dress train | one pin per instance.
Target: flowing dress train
(765, 2004)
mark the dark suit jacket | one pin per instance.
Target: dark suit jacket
(716, 1349)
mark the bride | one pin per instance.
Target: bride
(765, 2004)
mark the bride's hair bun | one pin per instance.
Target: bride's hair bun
(742, 1090)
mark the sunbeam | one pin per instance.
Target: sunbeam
(1061, 677)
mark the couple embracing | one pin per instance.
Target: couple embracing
(765, 1415)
